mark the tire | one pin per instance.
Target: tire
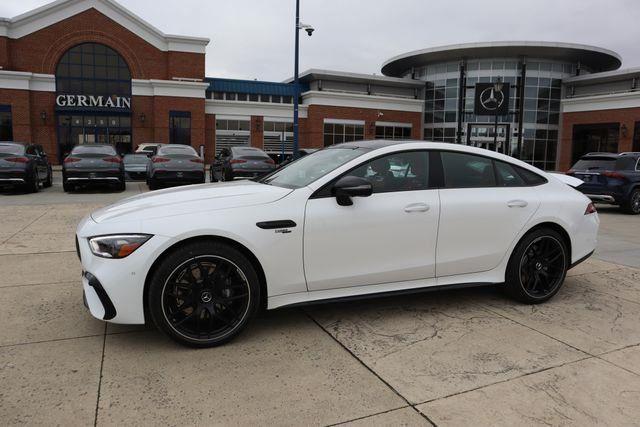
(121, 186)
(537, 267)
(224, 302)
(49, 181)
(67, 187)
(32, 185)
(153, 184)
(212, 175)
(632, 206)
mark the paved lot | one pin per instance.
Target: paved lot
(467, 357)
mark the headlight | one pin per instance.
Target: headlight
(117, 246)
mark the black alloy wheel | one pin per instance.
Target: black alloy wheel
(633, 206)
(32, 185)
(538, 267)
(207, 297)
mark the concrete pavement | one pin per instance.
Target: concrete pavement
(467, 357)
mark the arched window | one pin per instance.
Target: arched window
(93, 69)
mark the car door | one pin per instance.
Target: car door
(484, 204)
(35, 158)
(43, 162)
(389, 236)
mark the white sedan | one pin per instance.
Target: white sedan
(362, 218)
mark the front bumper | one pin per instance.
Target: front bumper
(114, 288)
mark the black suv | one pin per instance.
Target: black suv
(610, 178)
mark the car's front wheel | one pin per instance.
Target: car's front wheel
(537, 267)
(203, 294)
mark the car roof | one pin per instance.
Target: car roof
(372, 144)
(610, 155)
(13, 143)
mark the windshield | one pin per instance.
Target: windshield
(309, 168)
(136, 159)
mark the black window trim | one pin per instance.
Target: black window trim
(325, 191)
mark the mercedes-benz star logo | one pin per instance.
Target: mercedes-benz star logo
(491, 99)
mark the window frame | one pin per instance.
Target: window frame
(174, 131)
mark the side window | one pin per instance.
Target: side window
(467, 170)
(531, 178)
(507, 176)
(405, 171)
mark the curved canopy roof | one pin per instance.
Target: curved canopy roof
(595, 58)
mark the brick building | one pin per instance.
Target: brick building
(83, 71)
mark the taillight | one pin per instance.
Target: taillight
(270, 161)
(113, 159)
(197, 160)
(237, 161)
(591, 209)
(160, 159)
(72, 159)
(615, 175)
(16, 159)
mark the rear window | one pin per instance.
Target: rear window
(94, 149)
(249, 154)
(177, 151)
(11, 149)
(591, 163)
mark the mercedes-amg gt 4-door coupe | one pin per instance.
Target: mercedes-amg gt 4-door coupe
(355, 219)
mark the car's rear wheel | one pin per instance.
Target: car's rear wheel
(67, 186)
(537, 267)
(633, 205)
(49, 181)
(153, 184)
(32, 185)
(204, 294)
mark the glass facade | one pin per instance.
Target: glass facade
(540, 112)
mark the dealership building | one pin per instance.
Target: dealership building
(85, 71)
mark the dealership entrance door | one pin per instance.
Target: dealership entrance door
(74, 129)
(483, 136)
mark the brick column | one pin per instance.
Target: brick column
(257, 132)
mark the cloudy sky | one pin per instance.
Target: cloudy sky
(254, 38)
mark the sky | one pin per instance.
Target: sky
(253, 39)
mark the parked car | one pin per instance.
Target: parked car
(289, 157)
(610, 178)
(175, 164)
(149, 149)
(90, 164)
(135, 166)
(25, 166)
(240, 162)
(200, 261)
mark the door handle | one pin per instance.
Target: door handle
(517, 203)
(416, 207)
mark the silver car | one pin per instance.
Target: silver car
(175, 164)
(135, 166)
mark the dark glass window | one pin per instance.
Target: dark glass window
(180, 127)
(507, 175)
(93, 69)
(6, 123)
(467, 171)
(396, 172)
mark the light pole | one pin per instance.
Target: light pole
(498, 88)
(296, 88)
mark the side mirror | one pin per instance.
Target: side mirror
(351, 186)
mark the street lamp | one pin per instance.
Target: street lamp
(497, 87)
(296, 89)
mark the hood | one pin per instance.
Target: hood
(569, 180)
(190, 199)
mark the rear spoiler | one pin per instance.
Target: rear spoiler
(569, 180)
